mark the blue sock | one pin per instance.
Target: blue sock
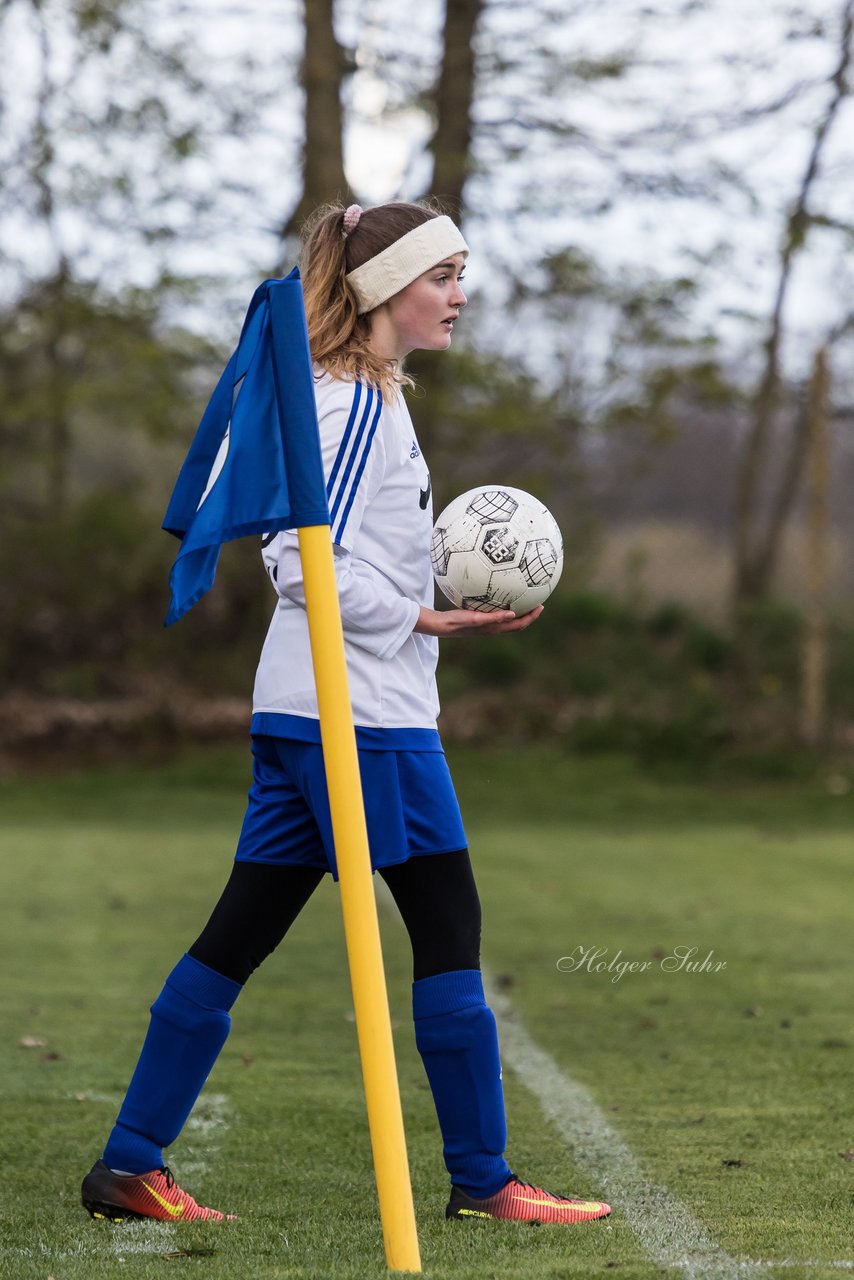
(189, 1025)
(457, 1038)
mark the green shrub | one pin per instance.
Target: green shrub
(82, 603)
(707, 649)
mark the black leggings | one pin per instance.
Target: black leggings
(435, 894)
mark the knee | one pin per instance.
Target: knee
(448, 945)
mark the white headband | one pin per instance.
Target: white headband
(381, 277)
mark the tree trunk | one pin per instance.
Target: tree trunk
(756, 545)
(453, 100)
(814, 654)
(57, 423)
(324, 67)
(58, 434)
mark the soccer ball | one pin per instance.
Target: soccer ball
(496, 548)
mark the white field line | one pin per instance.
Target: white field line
(138, 1237)
(207, 1123)
(840, 1264)
(143, 1237)
(666, 1229)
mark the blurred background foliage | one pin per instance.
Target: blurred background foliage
(658, 343)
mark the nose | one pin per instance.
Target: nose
(458, 299)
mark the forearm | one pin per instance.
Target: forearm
(374, 615)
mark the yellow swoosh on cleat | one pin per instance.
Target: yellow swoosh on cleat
(174, 1210)
(579, 1206)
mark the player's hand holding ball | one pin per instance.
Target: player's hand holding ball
(495, 551)
(496, 548)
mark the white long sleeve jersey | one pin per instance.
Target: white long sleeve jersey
(381, 514)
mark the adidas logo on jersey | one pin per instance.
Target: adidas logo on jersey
(415, 452)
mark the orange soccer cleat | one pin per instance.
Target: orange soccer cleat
(117, 1196)
(520, 1202)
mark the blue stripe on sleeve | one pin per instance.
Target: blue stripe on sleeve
(340, 530)
(352, 454)
(342, 448)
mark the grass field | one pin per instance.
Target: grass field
(728, 1090)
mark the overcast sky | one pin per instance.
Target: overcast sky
(694, 61)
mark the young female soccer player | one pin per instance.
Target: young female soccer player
(378, 283)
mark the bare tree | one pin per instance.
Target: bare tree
(814, 658)
(452, 102)
(114, 103)
(756, 545)
(324, 66)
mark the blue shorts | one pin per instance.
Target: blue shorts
(410, 806)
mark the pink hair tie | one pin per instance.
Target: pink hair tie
(351, 217)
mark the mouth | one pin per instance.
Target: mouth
(448, 323)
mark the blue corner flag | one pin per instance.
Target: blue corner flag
(254, 465)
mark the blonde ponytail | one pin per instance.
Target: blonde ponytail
(337, 334)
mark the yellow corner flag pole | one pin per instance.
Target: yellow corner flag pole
(361, 927)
